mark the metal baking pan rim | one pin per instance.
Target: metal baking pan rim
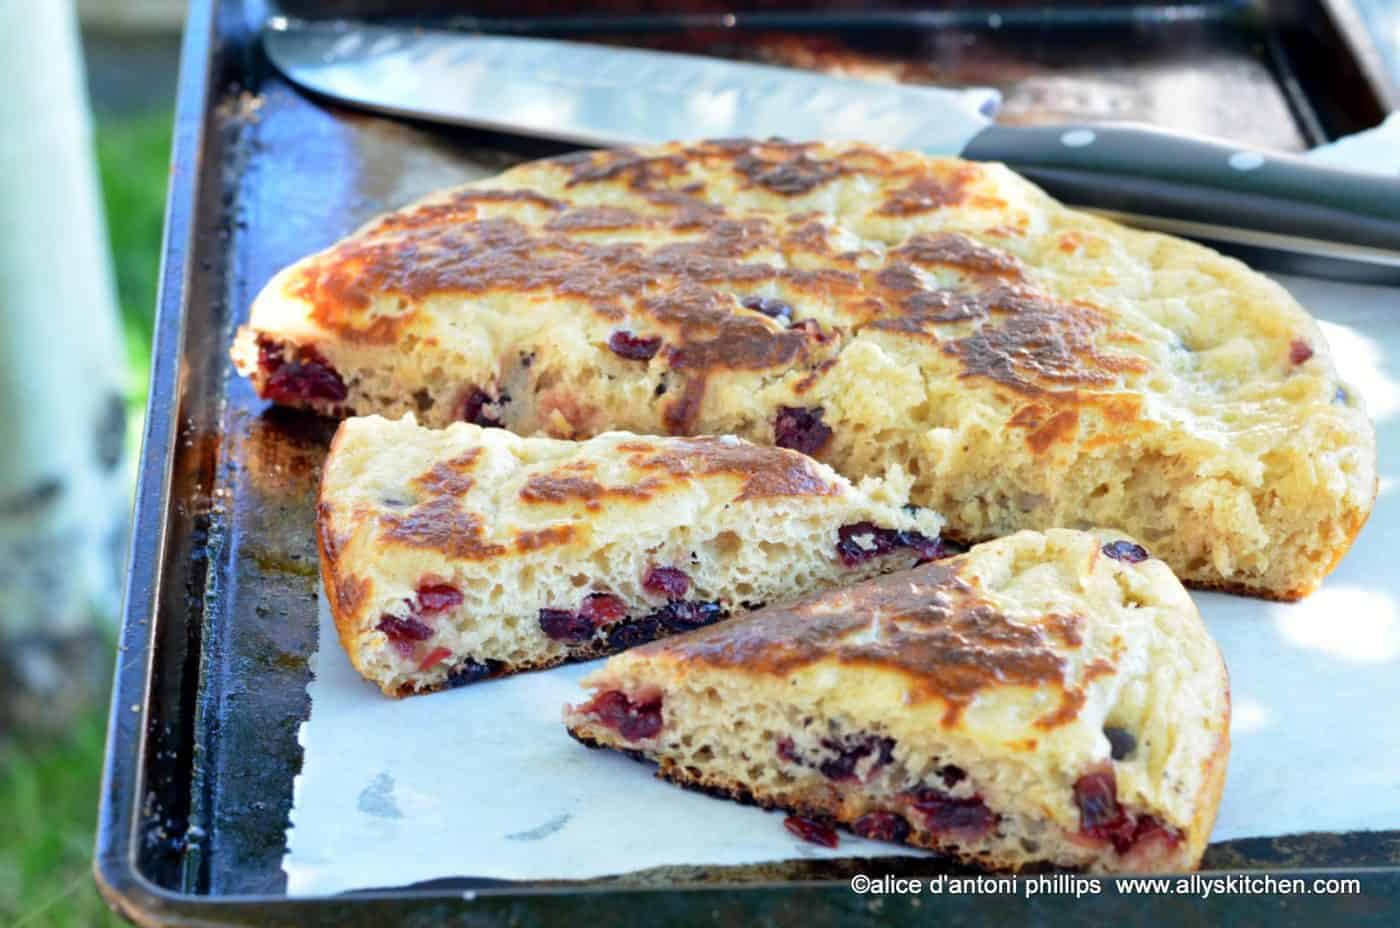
(114, 865)
(148, 904)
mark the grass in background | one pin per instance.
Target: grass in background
(48, 799)
(48, 789)
(133, 155)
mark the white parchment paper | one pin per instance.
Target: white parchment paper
(483, 781)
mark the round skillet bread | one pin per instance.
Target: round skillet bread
(1031, 366)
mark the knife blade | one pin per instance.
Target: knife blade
(598, 95)
(1283, 211)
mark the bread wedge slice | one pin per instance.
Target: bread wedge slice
(1042, 699)
(455, 554)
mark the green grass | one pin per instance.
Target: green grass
(132, 156)
(48, 789)
(48, 797)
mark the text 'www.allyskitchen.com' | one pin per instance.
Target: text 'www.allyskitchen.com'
(1069, 884)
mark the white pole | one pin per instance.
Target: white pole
(64, 483)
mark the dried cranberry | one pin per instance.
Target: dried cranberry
(435, 656)
(601, 609)
(1096, 794)
(632, 347)
(632, 721)
(630, 634)
(406, 628)
(1102, 818)
(809, 829)
(1121, 742)
(951, 775)
(438, 597)
(801, 429)
(1125, 551)
(928, 549)
(945, 813)
(769, 306)
(269, 355)
(669, 582)
(473, 409)
(683, 616)
(882, 826)
(563, 625)
(862, 541)
(841, 767)
(470, 671)
(850, 752)
(1299, 350)
(405, 632)
(305, 378)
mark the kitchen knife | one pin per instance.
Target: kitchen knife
(1321, 219)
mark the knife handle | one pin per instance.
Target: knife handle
(1138, 169)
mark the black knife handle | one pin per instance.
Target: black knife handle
(1139, 169)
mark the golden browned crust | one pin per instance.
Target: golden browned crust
(1357, 520)
(931, 626)
(567, 488)
(1207, 803)
(925, 193)
(441, 524)
(766, 475)
(683, 289)
(450, 478)
(1243, 589)
(345, 596)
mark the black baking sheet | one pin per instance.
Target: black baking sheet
(220, 617)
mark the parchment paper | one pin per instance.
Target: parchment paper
(483, 781)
